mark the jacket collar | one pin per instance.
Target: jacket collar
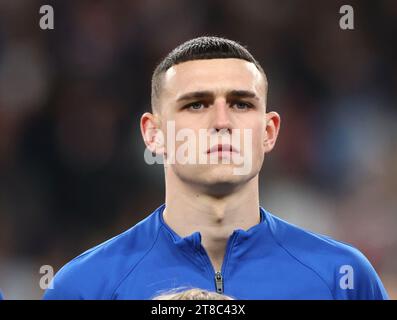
(194, 240)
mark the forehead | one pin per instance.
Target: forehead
(214, 75)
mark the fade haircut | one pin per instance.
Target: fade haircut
(201, 48)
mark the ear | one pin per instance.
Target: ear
(271, 130)
(152, 133)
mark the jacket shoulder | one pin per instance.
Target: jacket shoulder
(346, 270)
(96, 273)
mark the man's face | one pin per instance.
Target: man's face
(219, 96)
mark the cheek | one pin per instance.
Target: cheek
(180, 137)
(257, 138)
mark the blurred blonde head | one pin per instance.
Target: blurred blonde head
(191, 294)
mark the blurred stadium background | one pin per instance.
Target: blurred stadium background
(72, 172)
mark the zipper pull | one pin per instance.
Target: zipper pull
(219, 282)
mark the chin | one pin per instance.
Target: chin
(219, 177)
(222, 177)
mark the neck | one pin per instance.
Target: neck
(189, 210)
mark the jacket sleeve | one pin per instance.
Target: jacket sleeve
(358, 280)
(65, 285)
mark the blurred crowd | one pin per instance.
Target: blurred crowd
(72, 172)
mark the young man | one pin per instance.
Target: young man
(211, 233)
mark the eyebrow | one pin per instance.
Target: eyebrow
(209, 94)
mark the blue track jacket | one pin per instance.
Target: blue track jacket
(271, 260)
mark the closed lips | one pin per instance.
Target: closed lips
(221, 147)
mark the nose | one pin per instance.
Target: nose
(221, 116)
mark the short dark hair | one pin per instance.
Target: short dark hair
(207, 47)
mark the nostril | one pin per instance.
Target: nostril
(222, 130)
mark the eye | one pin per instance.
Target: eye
(195, 106)
(240, 105)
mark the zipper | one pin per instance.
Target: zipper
(218, 275)
(219, 282)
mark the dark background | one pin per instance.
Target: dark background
(72, 172)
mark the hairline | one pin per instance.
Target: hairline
(159, 76)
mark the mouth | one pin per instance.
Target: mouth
(222, 148)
